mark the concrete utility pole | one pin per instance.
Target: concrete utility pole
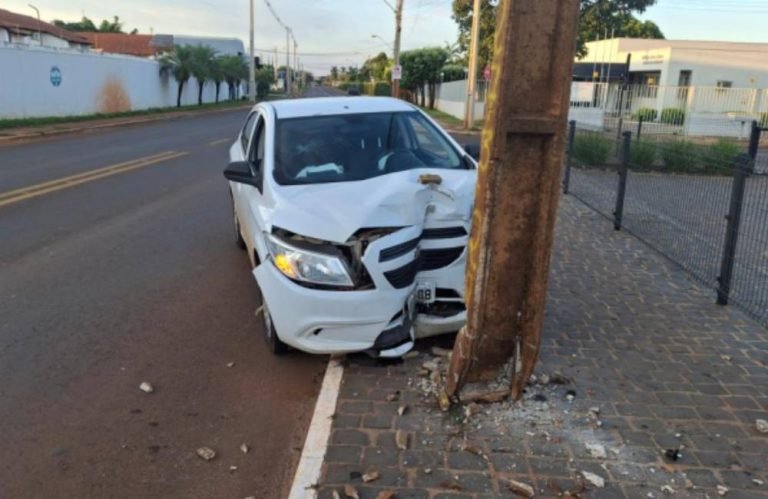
(296, 62)
(252, 63)
(474, 49)
(396, 54)
(516, 195)
(39, 34)
(288, 61)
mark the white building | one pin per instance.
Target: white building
(679, 63)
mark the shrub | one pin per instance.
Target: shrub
(382, 88)
(642, 154)
(673, 116)
(721, 155)
(646, 114)
(591, 149)
(680, 156)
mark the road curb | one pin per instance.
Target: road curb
(42, 133)
(308, 471)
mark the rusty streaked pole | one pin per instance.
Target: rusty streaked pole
(517, 193)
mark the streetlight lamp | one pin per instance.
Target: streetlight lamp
(384, 41)
(39, 34)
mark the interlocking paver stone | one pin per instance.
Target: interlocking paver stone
(636, 337)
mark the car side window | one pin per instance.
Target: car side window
(256, 153)
(248, 130)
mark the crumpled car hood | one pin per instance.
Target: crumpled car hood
(335, 211)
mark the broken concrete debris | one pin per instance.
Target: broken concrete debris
(596, 450)
(594, 479)
(244, 448)
(673, 454)
(386, 494)
(371, 476)
(666, 489)
(206, 453)
(146, 387)
(393, 397)
(230, 364)
(401, 410)
(521, 489)
(401, 440)
(761, 425)
(350, 491)
(722, 490)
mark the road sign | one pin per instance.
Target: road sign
(397, 72)
(55, 76)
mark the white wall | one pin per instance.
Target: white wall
(5, 37)
(90, 83)
(53, 41)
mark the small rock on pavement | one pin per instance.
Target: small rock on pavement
(146, 387)
(430, 365)
(757, 481)
(761, 425)
(594, 479)
(401, 440)
(401, 410)
(230, 364)
(233, 468)
(206, 453)
(666, 489)
(350, 491)
(386, 494)
(521, 489)
(371, 476)
(244, 448)
(722, 490)
(440, 352)
(597, 451)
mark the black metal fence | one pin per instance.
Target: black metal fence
(702, 204)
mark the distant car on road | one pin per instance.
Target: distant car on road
(355, 213)
(353, 91)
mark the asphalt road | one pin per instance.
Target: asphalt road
(131, 275)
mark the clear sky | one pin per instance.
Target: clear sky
(340, 30)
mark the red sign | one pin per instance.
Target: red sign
(487, 73)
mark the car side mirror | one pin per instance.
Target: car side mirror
(473, 150)
(240, 172)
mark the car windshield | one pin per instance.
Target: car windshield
(342, 148)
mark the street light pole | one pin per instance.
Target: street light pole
(288, 61)
(469, 109)
(252, 62)
(39, 34)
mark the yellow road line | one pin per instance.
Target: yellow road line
(217, 142)
(32, 191)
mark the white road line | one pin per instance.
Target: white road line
(311, 462)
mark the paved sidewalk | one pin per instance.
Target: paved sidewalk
(651, 388)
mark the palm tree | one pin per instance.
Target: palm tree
(201, 67)
(234, 70)
(178, 63)
(217, 74)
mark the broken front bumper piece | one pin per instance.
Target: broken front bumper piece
(386, 319)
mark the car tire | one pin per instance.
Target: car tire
(238, 235)
(276, 346)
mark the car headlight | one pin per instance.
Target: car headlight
(308, 266)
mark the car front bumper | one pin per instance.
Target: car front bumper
(327, 322)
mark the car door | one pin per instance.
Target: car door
(252, 196)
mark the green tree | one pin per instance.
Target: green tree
(421, 68)
(265, 77)
(85, 24)
(235, 70)
(334, 73)
(178, 63)
(597, 17)
(217, 75)
(376, 67)
(201, 67)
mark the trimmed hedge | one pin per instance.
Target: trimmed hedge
(680, 156)
(382, 88)
(642, 155)
(646, 113)
(672, 116)
(591, 149)
(720, 155)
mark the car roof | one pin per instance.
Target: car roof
(319, 106)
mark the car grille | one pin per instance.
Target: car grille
(403, 277)
(444, 233)
(398, 250)
(433, 259)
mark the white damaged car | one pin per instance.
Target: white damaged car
(355, 212)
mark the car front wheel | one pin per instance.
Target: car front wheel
(276, 346)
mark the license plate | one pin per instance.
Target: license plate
(425, 292)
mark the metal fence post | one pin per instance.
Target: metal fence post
(754, 144)
(618, 213)
(639, 127)
(569, 155)
(743, 167)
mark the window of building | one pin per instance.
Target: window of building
(724, 84)
(685, 78)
